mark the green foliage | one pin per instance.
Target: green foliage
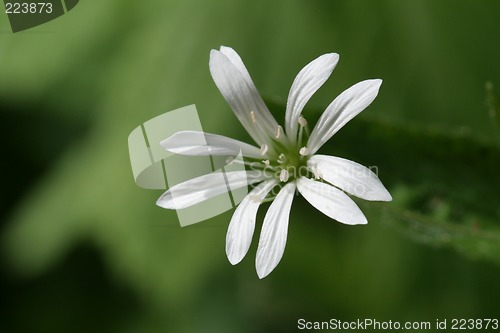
(112, 65)
(435, 179)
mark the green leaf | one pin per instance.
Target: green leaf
(441, 182)
(117, 64)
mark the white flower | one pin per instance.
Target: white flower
(284, 160)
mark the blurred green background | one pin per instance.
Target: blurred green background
(84, 249)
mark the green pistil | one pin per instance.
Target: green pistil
(284, 160)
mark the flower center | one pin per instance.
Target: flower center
(289, 160)
(283, 159)
(290, 165)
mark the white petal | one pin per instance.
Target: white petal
(237, 62)
(242, 225)
(274, 231)
(345, 107)
(240, 93)
(331, 201)
(350, 177)
(307, 82)
(194, 143)
(196, 190)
